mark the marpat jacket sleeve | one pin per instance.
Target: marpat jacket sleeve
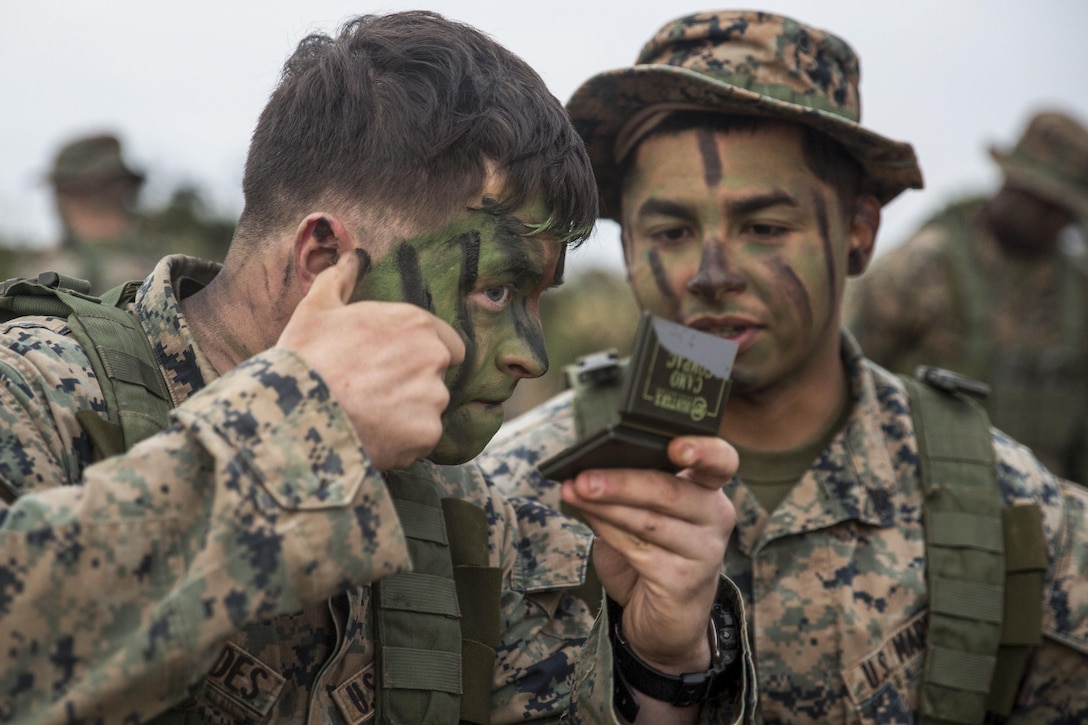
(119, 587)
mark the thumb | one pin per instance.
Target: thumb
(338, 282)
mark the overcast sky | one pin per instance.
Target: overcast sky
(182, 83)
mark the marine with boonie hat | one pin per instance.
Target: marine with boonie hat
(834, 576)
(106, 238)
(989, 287)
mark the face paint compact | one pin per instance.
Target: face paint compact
(675, 383)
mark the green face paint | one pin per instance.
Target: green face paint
(484, 277)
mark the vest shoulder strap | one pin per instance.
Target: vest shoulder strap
(984, 561)
(137, 402)
(438, 625)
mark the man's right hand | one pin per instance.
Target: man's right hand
(384, 362)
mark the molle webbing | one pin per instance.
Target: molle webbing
(981, 558)
(135, 395)
(437, 626)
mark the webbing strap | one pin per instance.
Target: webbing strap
(415, 592)
(119, 353)
(420, 521)
(479, 589)
(974, 297)
(1022, 629)
(417, 615)
(965, 568)
(406, 668)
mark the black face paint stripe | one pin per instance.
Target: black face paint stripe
(825, 237)
(470, 272)
(793, 288)
(528, 330)
(413, 289)
(660, 278)
(712, 163)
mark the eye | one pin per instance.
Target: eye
(498, 297)
(766, 230)
(671, 235)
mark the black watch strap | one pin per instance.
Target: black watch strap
(680, 690)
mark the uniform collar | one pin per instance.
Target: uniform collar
(184, 367)
(852, 479)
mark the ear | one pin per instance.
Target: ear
(320, 240)
(864, 225)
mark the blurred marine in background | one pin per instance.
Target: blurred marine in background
(106, 238)
(997, 289)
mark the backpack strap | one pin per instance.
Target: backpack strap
(479, 593)
(981, 560)
(438, 625)
(137, 402)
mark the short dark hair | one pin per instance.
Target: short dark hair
(400, 113)
(824, 156)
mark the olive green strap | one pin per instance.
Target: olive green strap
(119, 352)
(1022, 628)
(417, 615)
(479, 591)
(136, 399)
(965, 556)
(973, 297)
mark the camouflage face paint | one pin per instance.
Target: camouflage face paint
(793, 288)
(712, 162)
(820, 205)
(483, 276)
(661, 278)
(733, 232)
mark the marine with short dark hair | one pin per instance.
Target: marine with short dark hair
(300, 542)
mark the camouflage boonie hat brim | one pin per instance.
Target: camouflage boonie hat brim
(743, 62)
(1051, 161)
(89, 161)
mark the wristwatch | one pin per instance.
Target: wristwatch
(691, 688)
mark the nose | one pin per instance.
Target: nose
(524, 354)
(714, 279)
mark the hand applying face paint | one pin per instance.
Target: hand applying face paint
(394, 395)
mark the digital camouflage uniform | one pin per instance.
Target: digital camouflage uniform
(951, 296)
(222, 546)
(834, 581)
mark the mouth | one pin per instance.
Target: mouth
(729, 327)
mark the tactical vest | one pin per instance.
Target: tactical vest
(436, 627)
(984, 561)
(1030, 405)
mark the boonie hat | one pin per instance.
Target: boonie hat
(90, 160)
(744, 62)
(1051, 161)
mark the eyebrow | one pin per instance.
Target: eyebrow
(740, 206)
(665, 208)
(516, 265)
(762, 201)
